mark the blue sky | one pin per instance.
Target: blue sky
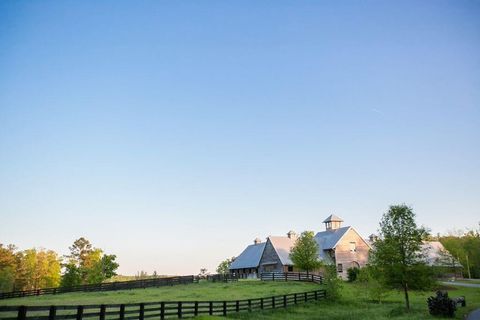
(174, 133)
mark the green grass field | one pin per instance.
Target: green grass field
(189, 292)
(353, 304)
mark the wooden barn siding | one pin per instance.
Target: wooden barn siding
(344, 256)
(269, 254)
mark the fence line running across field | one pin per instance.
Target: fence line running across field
(108, 286)
(291, 276)
(162, 310)
(158, 310)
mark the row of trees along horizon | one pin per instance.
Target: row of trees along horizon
(39, 268)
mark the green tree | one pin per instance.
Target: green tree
(37, 269)
(304, 254)
(71, 276)
(88, 265)
(8, 266)
(110, 266)
(99, 267)
(397, 252)
(223, 267)
(52, 276)
(7, 279)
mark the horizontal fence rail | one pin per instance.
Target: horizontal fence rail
(291, 276)
(108, 286)
(157, 310)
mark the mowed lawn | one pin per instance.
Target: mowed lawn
(203, 291)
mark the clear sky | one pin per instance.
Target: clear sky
(174, 133)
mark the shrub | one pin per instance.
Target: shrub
(441, 305)
(333, 283)
(352, 274)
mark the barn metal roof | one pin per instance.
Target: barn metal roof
(328, 239)
(283, 246)
(435, 254)
(249, 258)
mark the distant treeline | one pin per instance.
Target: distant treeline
(465, 246)
(39, 268)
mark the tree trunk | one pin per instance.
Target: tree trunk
(407, 301)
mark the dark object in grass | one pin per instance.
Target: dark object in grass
(442, 305)
(460, 300)
(352, 274)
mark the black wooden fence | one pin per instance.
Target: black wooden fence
(157, 310)
(291, 276)
(109, 286)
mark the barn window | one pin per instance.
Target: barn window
(290, 268)
(339, 267)
(353, 246)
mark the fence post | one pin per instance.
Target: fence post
(122, 312)
(224, 308)
(141, 312)
(295, 298)
(79, 312)
(102, 312)
(316, 295)
(284, 300)
(179, 309)
(210, 308)
(305, 294)
(237, 306)
(285, 276)
(52, 312)
(162, 310)
(261, 303)
(273, 274)
(195, 312)
(249, 305)
(299, 277)
(22, 313)
(273, 302)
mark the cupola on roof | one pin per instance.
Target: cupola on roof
(332, 218)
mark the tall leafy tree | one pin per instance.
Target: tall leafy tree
(397, 252)
(51, 269)
(80, 250)
(304, 254)
(88, 265)
(37, 269)
(8, 266)
(223, 267)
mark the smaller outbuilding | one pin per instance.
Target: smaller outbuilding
(444, 263)
(246, 264)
